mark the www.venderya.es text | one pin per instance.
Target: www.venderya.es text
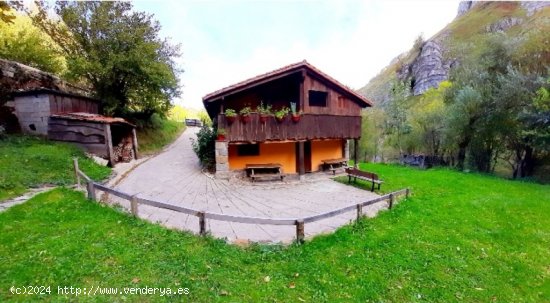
(95, 290)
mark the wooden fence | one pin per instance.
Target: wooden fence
(135, 201)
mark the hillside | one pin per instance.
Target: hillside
(524, 27)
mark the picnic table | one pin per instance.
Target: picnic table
(265, 170)
(332, 164)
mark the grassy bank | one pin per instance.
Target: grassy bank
(31, 162)
(460, 237)
(153, 140)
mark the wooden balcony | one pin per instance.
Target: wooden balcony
(309, 127)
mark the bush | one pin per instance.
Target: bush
(205, 146)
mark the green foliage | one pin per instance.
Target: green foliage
(245, 111)
(32, 162)
(371, 144)
(230, 112)
(6, 12)
(22, 42)
(180, 113)
(155, 136)
(118, 52)
(397, 124)
(264, 109)
(280, 113)
(204, 146)
(460, 237)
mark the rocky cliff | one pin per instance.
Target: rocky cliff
(428, 64)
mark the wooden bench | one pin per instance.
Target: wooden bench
(332, 164)
(267, 170)
(363, 175)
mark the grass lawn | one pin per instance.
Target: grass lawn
(152, 141)
(30, 162)
(460, 237)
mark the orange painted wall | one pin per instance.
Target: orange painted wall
(325, 150)
(283, 153)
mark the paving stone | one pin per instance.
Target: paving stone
(175, 177)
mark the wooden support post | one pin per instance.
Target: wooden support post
(300, 233)
(302, 93)
(135, 143)
(301, 159)
(355, 152)
(91, 190)
(202, 223)
(407, 193)
(391, 201)
(77, 176)
(109, 144)
(134, 206)
(359, 211)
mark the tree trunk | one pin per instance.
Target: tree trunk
(528, 162)
(461, 154)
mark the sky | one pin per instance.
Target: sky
(226, 41)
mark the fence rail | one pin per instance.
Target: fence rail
(135, 201)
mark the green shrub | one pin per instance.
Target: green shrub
(204, 147)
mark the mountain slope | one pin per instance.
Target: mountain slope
(523, 26)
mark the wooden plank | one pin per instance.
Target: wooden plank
(134, 206)
(135, 143)
(329, 214)
(82, 129)
(266, 165)
(70, 136)
(180, 209)
(202, 223)
(300, 231)
(91, 190)
(251, 220)
(83, 175)
(113, 191)
(301, 158)
(309, 127)
(67, 122)
(109, 144)
(355, 152)
(351, 207)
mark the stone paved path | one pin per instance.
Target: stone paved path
(175, 177)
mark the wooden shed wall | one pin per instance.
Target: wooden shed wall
(66, 104)
(89, 135)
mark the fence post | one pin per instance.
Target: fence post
(134, 206)
(202, 223)
(75, 165)
(300, 234)
(359, 211)
(407, 193)
(391, 201)
(91, 190)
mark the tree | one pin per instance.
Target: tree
(528, 134)
(22, 42)
(427, 120)
(371, 143)
(397, 124)
(118, 52)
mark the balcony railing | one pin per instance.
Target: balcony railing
(309, 127)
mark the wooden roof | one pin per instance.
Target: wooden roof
(91, 118)
(281, 72)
